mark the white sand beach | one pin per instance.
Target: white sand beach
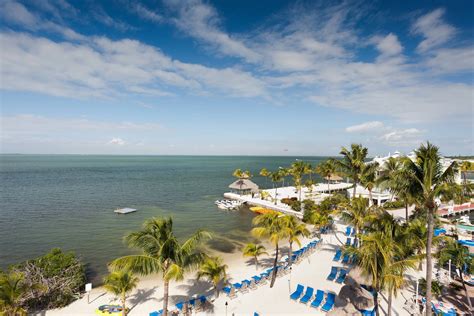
(312, 271)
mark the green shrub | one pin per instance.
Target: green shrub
(288, 201)
(53, 280)
(390, 205)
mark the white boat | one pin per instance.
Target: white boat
(228, 204)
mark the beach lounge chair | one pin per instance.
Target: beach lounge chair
(158, 313)
(318, 299)
(257, 279)
(353, 231)
(307, 296)
(368, 313)
(244, 287)
(230, 291)
(296, 294)
(348, 231)
(201, 303)
(342, 276)
(348, 242)
(192, 302)
(329, 302)
(346, 258)
(338, 255)
(249, 284)
(180, 306)
(237, 286)
(332, 275)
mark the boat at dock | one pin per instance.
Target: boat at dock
(228, 204)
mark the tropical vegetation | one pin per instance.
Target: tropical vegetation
(214, 270)
(120, 283)
(254, 251)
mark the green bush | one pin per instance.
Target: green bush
(288, 201)
(390, 205)
(53, 280)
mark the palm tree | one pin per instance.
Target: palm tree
(297, 170)
(254, 250)
(214, 270)
(264, 173)
(239, 174)
(368, 178)
(326, 169)
(460, 258)
(357, 213)
(319, 219)
(276, 177)
(352, 163)
(295, 229)
(272, 227)
(464, 168)
(120, 283)
(162, 253)
(430, 180)
(12, 289)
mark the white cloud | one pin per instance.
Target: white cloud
(201, 21)
(116, 141)
(435, 31)
(388, 45)
(146, 13)
(452, 60)
(365, 127)
(402, 137)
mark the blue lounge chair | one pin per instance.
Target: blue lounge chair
(333, 273)
(353, 231)
(348, 242)
(368, 313)
(203, 300)
(307, 296)
(180, 306)
(337, 256)
(318, 299)
(158, 313)
(346, 258)
(296, 294)
(237, 286)
(342, 276)
(257, 279)
(348, 231)
(230, 291)
(329, 302)
(192, 302)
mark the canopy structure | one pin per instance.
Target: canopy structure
(333, 177)
(243, 186)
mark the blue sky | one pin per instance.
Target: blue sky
(235, 77)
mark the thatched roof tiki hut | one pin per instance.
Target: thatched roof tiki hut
(243, 187)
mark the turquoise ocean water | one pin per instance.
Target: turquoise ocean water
(67, 201)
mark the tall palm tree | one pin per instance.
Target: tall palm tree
(214, 270)
(356, 213)
(264, 173)
(352, 163)
(464, 168)
(272, 227)
(12, 290)
(430, 180)
(295, 229)
(276, 177)
(460, 258)
(297, 170)
(120, 283)
(239, 174)
(368, 178)
(254, 251)
(162, 253)
(326, 169)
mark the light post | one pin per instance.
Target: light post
(289, 281)
(449, 275)
(416, 295)
(226, 308)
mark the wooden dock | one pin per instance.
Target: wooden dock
(125, 210)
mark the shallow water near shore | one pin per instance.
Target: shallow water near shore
(67, 201)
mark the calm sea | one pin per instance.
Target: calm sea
(67, 201)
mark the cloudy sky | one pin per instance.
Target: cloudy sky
(235, 77)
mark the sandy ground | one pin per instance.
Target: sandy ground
(312, 271)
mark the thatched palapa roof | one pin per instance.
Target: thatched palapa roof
(333, 177)
(244, 184)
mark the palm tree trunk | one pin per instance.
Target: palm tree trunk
(370, 198)
(290, 253)
(124, 311)
(165, 297)
(420, 264)
(376, 302)
(274, 272)
(429, 265)
(406, 211)
(276, 195)
(354, 190)
(465, 290)
(389, 311)
(329, 187)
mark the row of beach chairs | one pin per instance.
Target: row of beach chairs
(245, 285)
(340, 278)
(355, 243)
(350, 231)
(345, 260)
(196, 304)
(316, 300)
